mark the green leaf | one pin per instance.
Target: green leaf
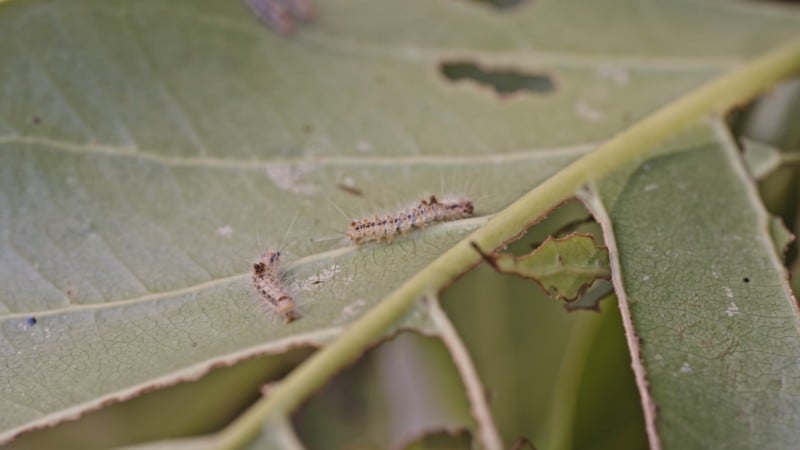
(150, 151)
(406, 388)
(761, 159)
(564, 267)
(780, 235)
(711, 320)
(184, 409)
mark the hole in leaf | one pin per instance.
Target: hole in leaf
(503, 81)
(502, 4)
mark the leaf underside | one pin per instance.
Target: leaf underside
(708, 297)
(150, 151)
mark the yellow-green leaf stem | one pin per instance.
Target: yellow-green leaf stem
(715, 97)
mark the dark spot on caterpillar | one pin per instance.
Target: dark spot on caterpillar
(274, 257)
(259, 267)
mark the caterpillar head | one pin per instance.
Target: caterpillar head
(461, 208)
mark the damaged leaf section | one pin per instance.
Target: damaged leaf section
(503, 81)
(502, 4)
(591, 297)
(566, 267)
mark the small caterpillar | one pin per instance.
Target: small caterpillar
(268, 281)
(418, 216)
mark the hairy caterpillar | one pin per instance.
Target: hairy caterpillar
(268, 281)
(424, 213)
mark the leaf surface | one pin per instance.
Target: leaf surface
(150, 151)
(714, 323)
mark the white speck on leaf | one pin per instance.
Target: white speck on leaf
(287, 177)
(616, 74)
(650, 187)
(352, 309)
(685, 368)
(728, 292)
(316, 281)
(646, 278)
(364, 146)
(732, 310)
(225, 231)
(587, 112)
